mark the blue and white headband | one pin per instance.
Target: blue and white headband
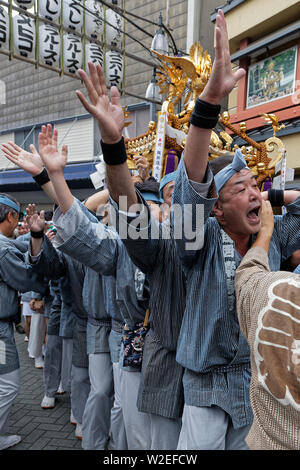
(237, 164)
(8, 202)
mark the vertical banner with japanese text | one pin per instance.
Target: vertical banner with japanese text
(160, 145)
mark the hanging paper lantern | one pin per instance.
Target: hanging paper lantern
(115, 28)
(4, 29)
(114, 68)
(49, 45)
(73, 14)
(49, 9)
(94, 54)
(73, 53)
(24, 35)
(94, 18)
(24, 3)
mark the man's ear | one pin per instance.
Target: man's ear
(10, 217)
(218, 210)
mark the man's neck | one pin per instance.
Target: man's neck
(3, 231)
(241, 241)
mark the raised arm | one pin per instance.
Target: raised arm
(221, 82)
(30, 162)
(110, 118)
(55, 162)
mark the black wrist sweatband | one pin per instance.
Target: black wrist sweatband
(114, 154)
(276, 197)
(39, 234)
(205, 115)
(42, 178)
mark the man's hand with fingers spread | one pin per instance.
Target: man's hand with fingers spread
(222, 79)
(30, 162)
(34, 221)
(143, 167)
(54, 160)
(108, 112)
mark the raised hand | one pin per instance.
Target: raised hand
(143, 167)
(267, 219)
(30, 162)
(222, 79)
(53, 160)
(108, 112)
(34, 221)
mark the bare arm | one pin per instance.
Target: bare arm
(289, 196)
(55, 163)
(96, 200)
(220, 84)
(110, 118)
(30, 162)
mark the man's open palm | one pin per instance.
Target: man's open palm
(53, 159)
(30, 162)
(108, 112)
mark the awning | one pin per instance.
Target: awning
(76, 174)
(286, 34)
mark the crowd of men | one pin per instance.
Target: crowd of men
(220, 364)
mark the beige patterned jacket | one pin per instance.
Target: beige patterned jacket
(268, 305)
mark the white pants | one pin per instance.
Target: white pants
(96, 416)
(118, 440)
(9, 389)
(37, 335)
(210, 428)
(137, 424)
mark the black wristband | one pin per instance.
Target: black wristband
(276, 197)
(114, 154)
(39, 234)
(205, 115)
(42, 178)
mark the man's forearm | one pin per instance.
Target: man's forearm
(62, 191)
(49, 190)
(98, 199)
(290, 196)
(36, 246)
(119, 183)
(263, 241)
(196, 153)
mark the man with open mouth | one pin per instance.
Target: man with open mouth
(217, 412)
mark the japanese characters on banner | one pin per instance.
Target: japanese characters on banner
(93, 53)
(49, 41)
(94, 18)
(24, 35)
(73, 14)
(73, 53)
(160, 145)
(114, 27)
(89, 21)
(114, 68)
(50, 9)
(24, 3)
(4, 29)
